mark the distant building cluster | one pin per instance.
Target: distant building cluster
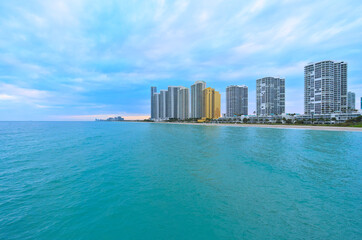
(112, 119)
(325, 93)
(174, 103)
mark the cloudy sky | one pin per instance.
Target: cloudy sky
(77, 60)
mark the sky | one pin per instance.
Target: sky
(80, 60)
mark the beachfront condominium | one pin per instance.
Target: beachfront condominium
(172, 104)
(183, 103)
(236, 100)
(325, 87)
(351, 98)
(212, 103)
(153, 91)
(197, 99)
(156, 106)
(270, 96)
(163, 104)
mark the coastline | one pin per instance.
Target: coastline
(320, 128)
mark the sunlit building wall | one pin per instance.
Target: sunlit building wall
(212, 103)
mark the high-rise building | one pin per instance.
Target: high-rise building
(197, 99)
(183, 103)
(236, 100)
(156, 106)
(212, 103)
(270, 96)
(172, 103)
(163, 104)
(153, 91)
(351, 98)
(325, 87)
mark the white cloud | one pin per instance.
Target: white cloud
(265, 71)
(35, 98)
(73, 49)
(33, 70)
(5, 97)
(22, 94)
(249, 48)
(257, 6)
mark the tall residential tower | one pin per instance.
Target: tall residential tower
(163, 104)
(197, 99)
(153, 91)
(172, 103)
(325, 87)
(156, 106)
(270, 96)
(183, 103)
(351, 98)
(212, 103)
(236, 100)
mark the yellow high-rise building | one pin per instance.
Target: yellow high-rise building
(212, 103)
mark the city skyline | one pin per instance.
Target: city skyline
(76, 60)
(325, 92)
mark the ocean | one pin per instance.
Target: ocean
(121, 180)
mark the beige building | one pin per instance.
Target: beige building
(212, 103)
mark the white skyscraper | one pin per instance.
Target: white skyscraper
(236, 100)
(325, 87)
(351, 101)
(183, 103)
(270, 96)
(156, 106)
(172, 103)
(163, 104)
(153, 91)
(197, 99)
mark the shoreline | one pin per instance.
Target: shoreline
(320, 128)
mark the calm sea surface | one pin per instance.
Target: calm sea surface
(112, 180)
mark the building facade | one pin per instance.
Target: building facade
(212, 103)
(331, 118)
(270, 96)
(325, 87)
(156, 106)
(351, 99)
(153, 91)
(236, 100)
(172, 104)
(197, 99)
(163, 104)
(183, 103)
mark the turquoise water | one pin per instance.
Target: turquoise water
(111, 180)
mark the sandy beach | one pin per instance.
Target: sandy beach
(323, 128)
